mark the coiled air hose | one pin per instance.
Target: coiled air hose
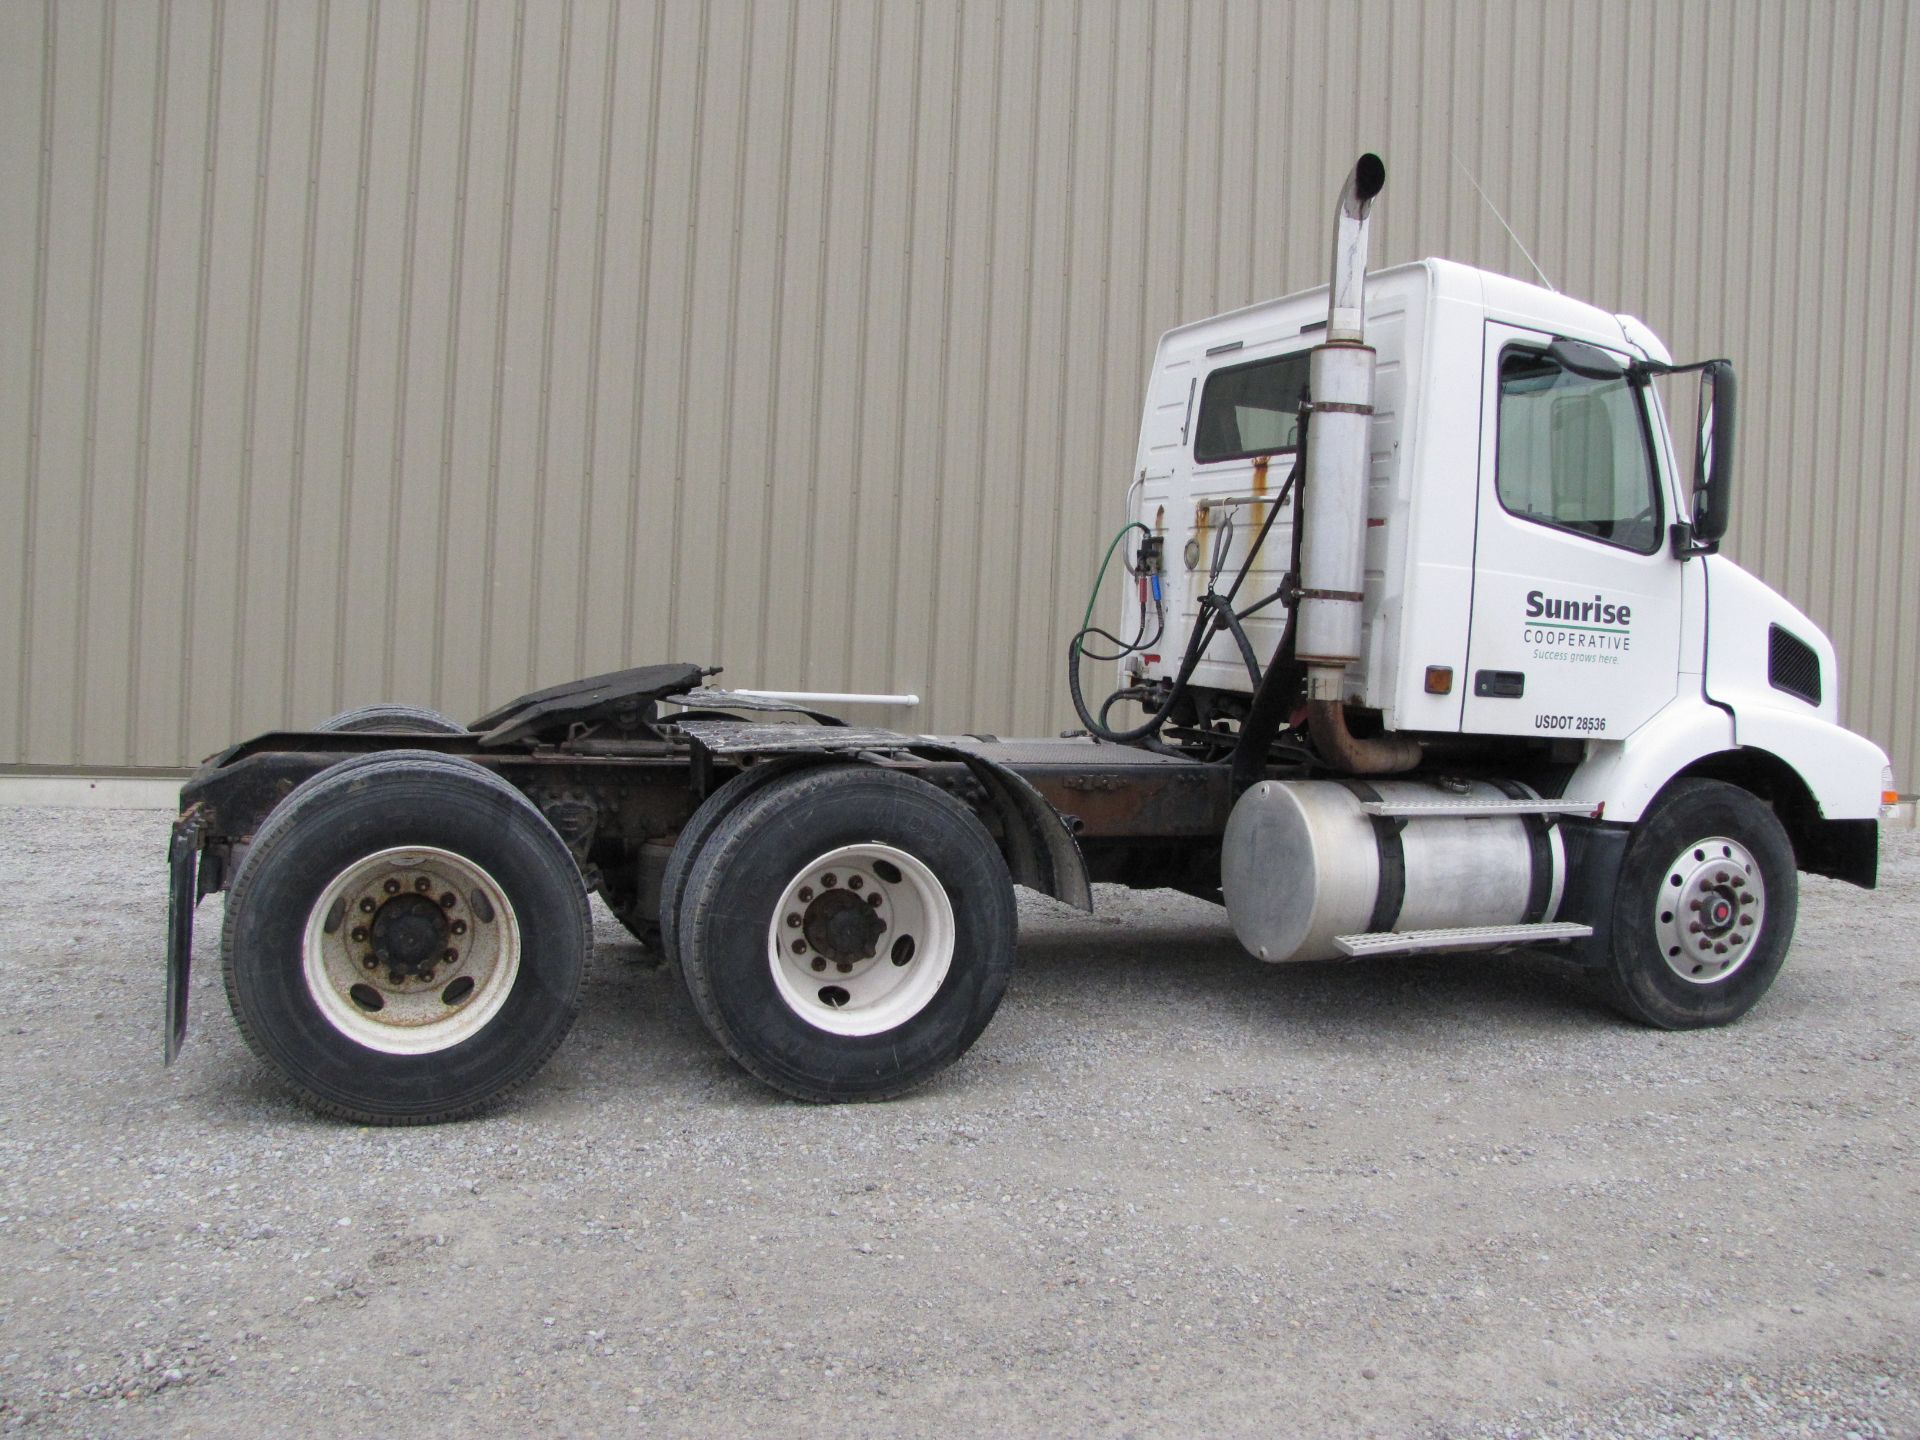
(1215, 614)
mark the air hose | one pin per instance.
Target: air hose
(1215, 615)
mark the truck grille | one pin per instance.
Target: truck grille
(1792, 665)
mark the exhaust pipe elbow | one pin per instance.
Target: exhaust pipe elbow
(1346, 307)
(1386, 755)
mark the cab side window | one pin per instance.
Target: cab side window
(1575, 454)
(1251, 410)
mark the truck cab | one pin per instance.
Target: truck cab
(1530, 568)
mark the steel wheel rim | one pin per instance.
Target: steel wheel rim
(1711, 910)
(825, 923)
(376, 959)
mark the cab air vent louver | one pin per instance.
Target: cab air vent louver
(1792, 665)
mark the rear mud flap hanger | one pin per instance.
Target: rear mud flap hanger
(1040, 851)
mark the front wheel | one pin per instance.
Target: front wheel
(1705, 908)
(847, 932)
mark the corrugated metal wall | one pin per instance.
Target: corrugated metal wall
(438, 351)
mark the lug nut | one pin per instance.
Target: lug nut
(427, 974)
(799, 947)
(1736, 939)
(844, 968)
(829, 880)
(359, 933)
(1695, 904)
(366, 906)
(422, 884)
(806, 892)
(372, 962)
(1694, 928)
(854, 882)
(1739, 882)
(449, 956)
(458, 927)
(392, 887)
(449, 900)
(1746, 919)
(1720, 947)
(818, 963)
(793, 920)
(874, 899)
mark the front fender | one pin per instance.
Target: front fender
(1625, 775)
(1844, 772)
(1841, 770)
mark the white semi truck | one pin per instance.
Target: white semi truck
(1427, 645)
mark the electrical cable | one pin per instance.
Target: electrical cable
(1215, 614)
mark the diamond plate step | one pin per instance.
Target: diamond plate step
(1465, 937)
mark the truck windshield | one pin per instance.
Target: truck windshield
(1574, 453)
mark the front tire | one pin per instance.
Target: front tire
(847, 932)
(1705, 908)
(406, 939)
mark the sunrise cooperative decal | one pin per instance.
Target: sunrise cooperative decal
(1591, 630)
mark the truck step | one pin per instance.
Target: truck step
(1465, 937)
(1455, 809)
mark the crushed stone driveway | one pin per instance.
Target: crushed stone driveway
(1171, 1191)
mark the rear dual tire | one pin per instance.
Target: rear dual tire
(846, 933)
(406, 939)
(392, 719)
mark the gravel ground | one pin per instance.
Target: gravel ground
(1170, 1191)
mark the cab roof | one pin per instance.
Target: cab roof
(1501, 297)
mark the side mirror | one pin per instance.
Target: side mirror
(1713, 454)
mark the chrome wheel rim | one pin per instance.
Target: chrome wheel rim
(1711, 910)
(861, 941)
(411, 950)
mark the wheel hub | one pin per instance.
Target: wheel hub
(842, 927)
(409, 935)
(1710, 910)
(411, 950)
(861, 940)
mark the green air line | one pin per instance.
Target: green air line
(1098, 580)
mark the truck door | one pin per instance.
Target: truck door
(1575, 627)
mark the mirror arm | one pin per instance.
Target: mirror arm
(1653, 369)
(1684, 546)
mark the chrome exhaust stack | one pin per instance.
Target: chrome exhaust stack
(1333, 542)
(1346, 310)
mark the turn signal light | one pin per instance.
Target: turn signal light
(1439, 679)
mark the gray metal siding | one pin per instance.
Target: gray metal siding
(439, 351)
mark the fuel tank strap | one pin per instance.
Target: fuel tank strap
(1392, 894)
(1539, 853)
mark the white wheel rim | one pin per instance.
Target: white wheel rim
(1710, 911)
(833, 968)
(411, 950)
